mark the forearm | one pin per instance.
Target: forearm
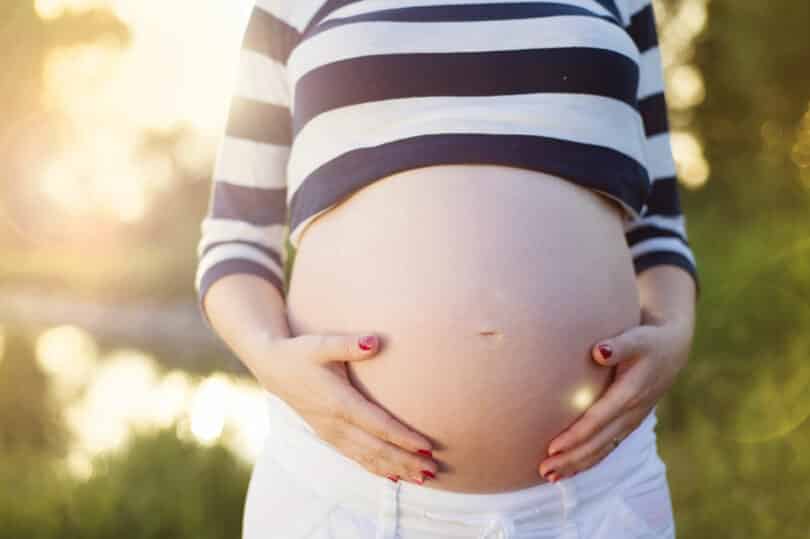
(668, 295)
(246, 312)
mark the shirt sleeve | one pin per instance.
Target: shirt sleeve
(658, 236)
(244, 229)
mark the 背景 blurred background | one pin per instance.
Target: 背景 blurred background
(122, 416)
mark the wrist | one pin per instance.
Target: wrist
(682, 321)
(665, 296)
(676, 333)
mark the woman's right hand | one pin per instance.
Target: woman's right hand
(309, 373)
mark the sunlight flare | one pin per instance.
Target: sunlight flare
(208, 409)
(692, 166)
(69, 355)
(583, 397)
(109, 97)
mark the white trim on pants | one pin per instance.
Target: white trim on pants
(302, 487)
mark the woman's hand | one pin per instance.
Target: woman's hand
(648, 358)
(309, 373)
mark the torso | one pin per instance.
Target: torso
(488, 286)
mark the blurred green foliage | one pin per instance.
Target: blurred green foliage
(733, 430)
(29, 416)
(155, 487)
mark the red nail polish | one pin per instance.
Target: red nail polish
(367, 342)
(605, 350)
(393, 478)
(429, 474)
(425, 452)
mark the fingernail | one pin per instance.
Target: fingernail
(553, 477)
(393, 478)
(429, 474)
(367, 342)
(419, 479)
(548, 475)
(605, 350)
(425, 452)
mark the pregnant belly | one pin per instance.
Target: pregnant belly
(488, 286)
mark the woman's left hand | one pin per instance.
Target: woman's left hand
(648, 358)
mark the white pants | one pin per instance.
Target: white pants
(302, 487)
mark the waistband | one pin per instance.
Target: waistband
(296, 446)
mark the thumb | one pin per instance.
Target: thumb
(627, 345)
(356, 347)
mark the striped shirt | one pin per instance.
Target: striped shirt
(332, 95)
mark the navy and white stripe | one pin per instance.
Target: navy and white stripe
(245, 225)
(335, 94)
(658, 236)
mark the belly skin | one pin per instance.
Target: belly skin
(487, 285)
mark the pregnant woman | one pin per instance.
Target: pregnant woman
(492, 283)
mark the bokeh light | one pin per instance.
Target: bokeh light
(686, 89)
(583, 397)
(118, 399)
(107, 398)
(69, 355)
(691, 164)
(207, 411)
(178, 70)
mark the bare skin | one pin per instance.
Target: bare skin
(488, 287)
(648, 359)
(309, 373)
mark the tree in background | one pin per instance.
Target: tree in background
(28, 130)
(755, 120)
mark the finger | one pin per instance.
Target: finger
(354, 408)
(589, 453)
(345, 348)
(627, 345)
(618, 398)
(382, 458)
